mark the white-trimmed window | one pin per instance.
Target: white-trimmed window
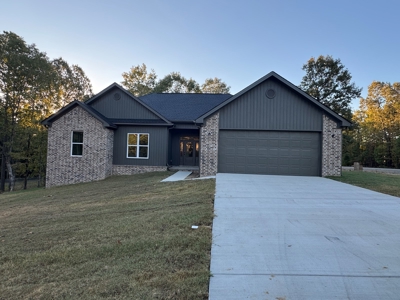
(77, 143)
(138, 145)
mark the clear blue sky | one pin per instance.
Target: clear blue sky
(237, 41)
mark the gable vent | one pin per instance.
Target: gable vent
(270, 93)
(117, 96)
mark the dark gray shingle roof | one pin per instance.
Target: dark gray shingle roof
(183, 107)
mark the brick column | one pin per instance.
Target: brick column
(331, 148)
(209, 146)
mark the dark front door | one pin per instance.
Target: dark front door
(189, 147)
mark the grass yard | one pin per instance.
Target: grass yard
(383, 183)
(127, 237)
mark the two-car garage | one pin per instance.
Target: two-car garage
(269, 152)
(274, 128)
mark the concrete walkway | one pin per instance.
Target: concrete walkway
(178, 176)
(287, 237)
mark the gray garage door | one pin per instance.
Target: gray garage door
(269, 152)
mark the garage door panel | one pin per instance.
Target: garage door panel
(240, 169)
(252, 142)
(230, 150)
(252, 151)
(228, 160)
(241, 160)
(285, 144)
(253, 160)
(263, 160)
(269, 152)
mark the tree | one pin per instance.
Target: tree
(350, 147)
(24, 72)
(215, 86)
(379, 121)
(141, 82)
(138, 81)
(328, 81)
(71, 83)
(396, 153)
(176, 83)
(31, 88)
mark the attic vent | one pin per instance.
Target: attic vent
(270, 93)
(117, 96)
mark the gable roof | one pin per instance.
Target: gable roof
(106, 122)
(183, 107)
(345, 122)
(133, 97)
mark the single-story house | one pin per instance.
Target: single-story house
(270, 127)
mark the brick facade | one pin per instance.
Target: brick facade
(209, 146)
(96, 161)
(331, 148)
(130, 170)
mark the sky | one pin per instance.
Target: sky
(237, 41)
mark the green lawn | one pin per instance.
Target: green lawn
(383, 183)
(126, 237)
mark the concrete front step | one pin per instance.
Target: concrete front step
(178, 176)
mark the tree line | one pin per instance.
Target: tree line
(141, 82)
(374, 138)
(32, 86)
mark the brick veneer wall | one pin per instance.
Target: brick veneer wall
(209, 146)
(130, 170)
(96, 161)
(331, 148)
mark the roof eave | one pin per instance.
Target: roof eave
(183, 121)
(144, 124)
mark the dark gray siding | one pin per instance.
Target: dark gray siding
(287, 111)
(270, 152)
(124, 108)
(158, 146)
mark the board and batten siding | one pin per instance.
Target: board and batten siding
(287, 111)
(158, 146)
(124, 108)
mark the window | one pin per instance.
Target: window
(138, 145)
(77, 143)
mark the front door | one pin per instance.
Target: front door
(189, 148)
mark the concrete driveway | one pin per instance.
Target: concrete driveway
(289, 237)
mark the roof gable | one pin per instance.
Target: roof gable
(114, 102)
(344, 122)
(286, 110)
